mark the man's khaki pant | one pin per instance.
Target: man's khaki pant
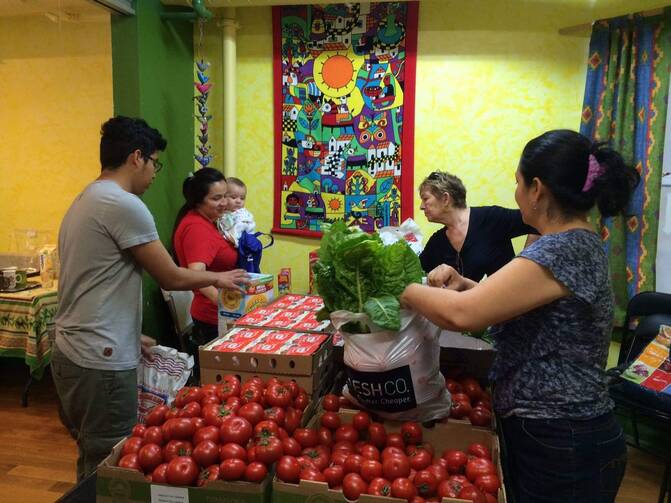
(99, 405)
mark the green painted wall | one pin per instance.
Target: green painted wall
(152, 65)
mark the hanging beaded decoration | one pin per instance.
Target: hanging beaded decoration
(203, 85)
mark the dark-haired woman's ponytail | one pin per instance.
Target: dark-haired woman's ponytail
(615, 185)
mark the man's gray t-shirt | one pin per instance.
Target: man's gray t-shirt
(99, 315)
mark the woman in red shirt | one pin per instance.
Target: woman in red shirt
(199, 246)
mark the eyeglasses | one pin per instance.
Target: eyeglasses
(158, 165)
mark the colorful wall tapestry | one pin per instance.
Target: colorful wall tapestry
(344, 111)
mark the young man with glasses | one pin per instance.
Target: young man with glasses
(107, 238)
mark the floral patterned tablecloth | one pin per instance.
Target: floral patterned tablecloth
(26, 319)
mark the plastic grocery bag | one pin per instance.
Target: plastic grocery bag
(408, 231)
(160, 377)
(395, 374)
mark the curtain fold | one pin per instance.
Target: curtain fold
(625, 105)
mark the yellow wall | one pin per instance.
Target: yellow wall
(485, 86)
(55, 91)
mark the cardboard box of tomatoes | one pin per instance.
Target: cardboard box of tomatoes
(119, 485)
(247, 352)
(448, 443)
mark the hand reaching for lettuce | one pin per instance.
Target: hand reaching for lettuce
(357, 273)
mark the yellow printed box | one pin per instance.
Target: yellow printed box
(259, 293)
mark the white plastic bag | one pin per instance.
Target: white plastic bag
(395, 374)
(160, 377)
(408, 231)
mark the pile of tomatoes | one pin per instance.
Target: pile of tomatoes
(227, 431)
(469, 400)
(362, 457)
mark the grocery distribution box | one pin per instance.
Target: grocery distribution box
(295, 301)
(120, 485)
(247, 351)
(233, 304)
(285, 319)
(442, 436)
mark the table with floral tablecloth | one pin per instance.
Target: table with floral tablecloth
(26, 319)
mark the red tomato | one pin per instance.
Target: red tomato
(278, 395)
(131, 446)
(291, 447)
(257, 381)
(339, 457)
(318, 455)
(480, 416)
(251, 454)
(451, 487)
(301, 401)
(411, 432)
(187, 395)
(479, 466)
(232, 451)
(361, 421)
(377, 435)
(208, 474)
(439, 471)
(331, 403)
(305, 462)
(489, 483)
(206, 453)
(130, 462)
(172, 413)
(288, 469)
(403, 488)
(426, 483)
(149, 457)
(395, 440)
(206, 433)
(235, 429)
(180, 428)
(282, 433)
(343, 445)
(159, 473)
(214, 414)
(472, 493)
(379, 487)
(234, 403)
(312, 474)
(156, 416)
(460, 409)
(256, 472)
(479, 451)
(325, 437)
(437, 460)
(176, 448)
(306, 437)
(420, 459)
(209, 389)
(456, 460)
(353, 463)
(293, 388)
(191, 409)
(394, 467)
(483, 403)
(348, 433)
(418, 499)
(198, 422)
(369, 451)
(138, 430)
(232, 469)
(266, 428)
(250, 394)
(268, 450)
(461, 397)
(334, 475)
(292, 419)
(182, 471)
(252, 412)
(330, 420)
(472, 388)
(389, 452)
(153, 435)
(425, 446)
(370, 469)
(353, 486)
(453, 386)
(274, 414)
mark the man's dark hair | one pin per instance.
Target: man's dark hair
(120, 136)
